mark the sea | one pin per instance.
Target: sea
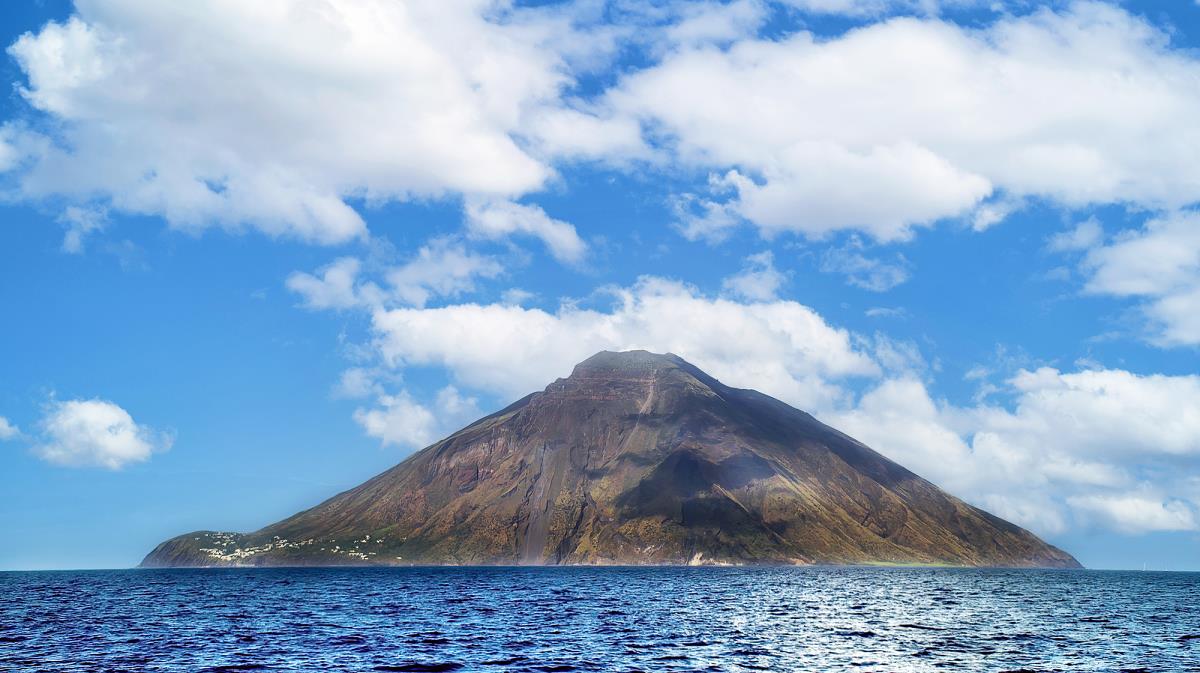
(564, 619)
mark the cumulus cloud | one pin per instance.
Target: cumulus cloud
(1080, 104)
(8, 430)
(516, 296)
(1092, 448)
(332, 287)
(903, 122)
(443, 267)
(1176, 318)
(759, 280)
(1083, 236)
(96, 433)
(897, 357)
(399, 420)
(1159, 264)
(357, 382)
(994, 211)
(781, 347)
(698, 217)
(1137, 513)
(1113, 412)
(270, 114)
(868, 8)
(498, 219)
(704, 23)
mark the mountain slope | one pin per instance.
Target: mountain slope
(635, 458)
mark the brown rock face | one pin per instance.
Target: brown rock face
(636, 458)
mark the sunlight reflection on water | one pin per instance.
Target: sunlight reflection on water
(599, 619)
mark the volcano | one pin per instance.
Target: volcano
(635, 458)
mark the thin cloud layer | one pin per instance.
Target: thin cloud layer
(759, 280)
(863, 271)
(8, 430)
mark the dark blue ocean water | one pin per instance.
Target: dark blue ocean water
(599, 619)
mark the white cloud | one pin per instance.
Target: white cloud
(995, 211)
(517, 296)
(759, 280)
(899, 419)
(890, 126)
(454, 407)
(820, 187)
(1161, 264)
(886, 312)
(1100, 447)
(705, 23)
(896, 356)
(335, 287)
(569, 134)
(850, 7)
(271, 114)
(498, 219)
(357, 382)
(441, 268)
(1177, 317)
(780, 347)
(900, 123)
(1138, 514)
(1164, 256)
(10, 155)
(1083, 236)
(868, 273)
(398, 420)
(80, 223)
(8, 430)
(401, 421)
(1112, 412)
(863, 8)
(698, 217)
(96, 433)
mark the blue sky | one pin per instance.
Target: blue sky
(256, 263)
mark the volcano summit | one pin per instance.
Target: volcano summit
(635, 458)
